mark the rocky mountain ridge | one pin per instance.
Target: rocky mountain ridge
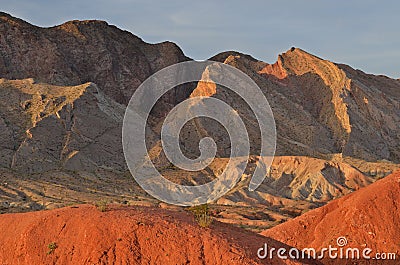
(64, 89)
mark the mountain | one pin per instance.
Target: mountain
(64, 90)
(78, 52)
(75, 53)
(321, 108)
(368, 217)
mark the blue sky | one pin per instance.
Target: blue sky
(363, 34)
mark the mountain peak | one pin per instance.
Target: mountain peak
(7, 18)
(4, 14)
(86, 22)
(223, 56)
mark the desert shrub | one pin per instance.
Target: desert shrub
(102, 205)
(52, 246)
(202, 215)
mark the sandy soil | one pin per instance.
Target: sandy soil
(124, 235)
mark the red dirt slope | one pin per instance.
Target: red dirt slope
(123, 235)
(368, 218)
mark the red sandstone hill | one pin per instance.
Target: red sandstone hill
(123, 235)
(369, 218)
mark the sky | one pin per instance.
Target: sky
(363, 34)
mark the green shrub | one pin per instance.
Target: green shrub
(52, 246)
(102, 205)
(202, 215)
